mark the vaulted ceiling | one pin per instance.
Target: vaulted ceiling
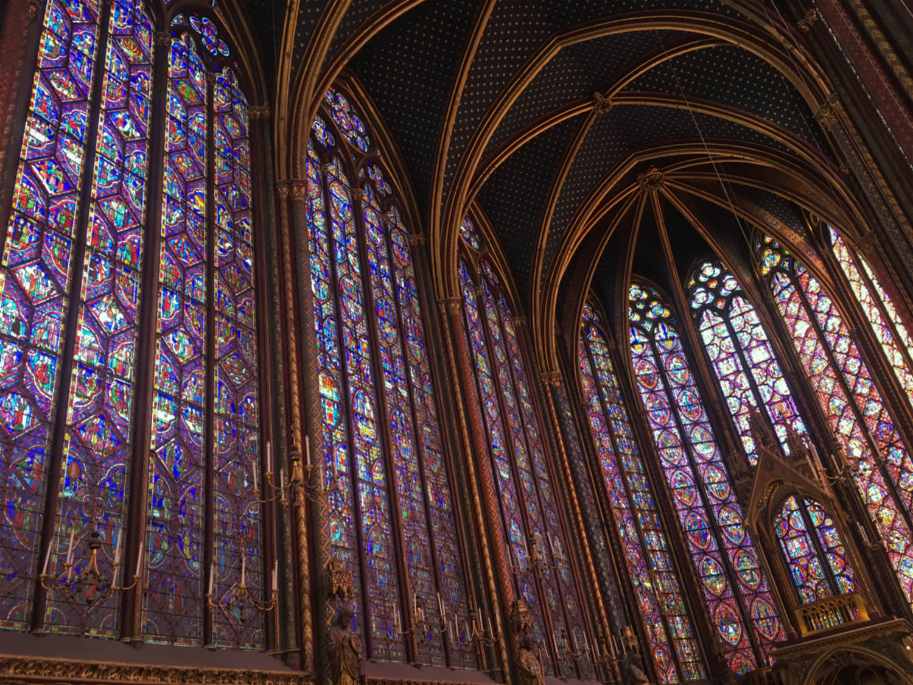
(544, 114)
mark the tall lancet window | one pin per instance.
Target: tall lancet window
(78, 246)
(849, 399)
(530, 512)
(734, 587)
(651, 570)
(741, 354)
(883, 317)
(392, 521)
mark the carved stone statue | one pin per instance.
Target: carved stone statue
(632, 670)
(528, 663)
(343, 650)
(798, 450)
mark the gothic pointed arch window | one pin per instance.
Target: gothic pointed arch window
(648, 557)
(812, 549)
(879, 309)
(106, 459)
(852, 403)
(530, 513)
(392, 518)
(741, 355)
(734, 586)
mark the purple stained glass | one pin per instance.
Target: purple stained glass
(850, 400)
(702, 492)
(813, 550)
(35, 279)
(236, 428)
(174, 603)
(879, 309)
(740, 352)
(98, 445)
(646, 550)
(393, 416)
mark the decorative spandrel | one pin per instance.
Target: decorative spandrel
(870, 443)
(723, 555)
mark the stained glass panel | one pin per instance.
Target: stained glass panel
(710, 516)
(35, 282)
(173, 606)
(741, 355)
(236, 427)
(849, 399)
(646, 549)
(884, 319)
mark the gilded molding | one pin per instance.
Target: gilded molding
(32, 669)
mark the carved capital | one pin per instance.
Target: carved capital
(282, 189)
(358, 195)
(551, 378)
(298, 189)
(651, 180)
(808, 20)
(416, 239)
(518, 320)
(450, 305)
(828, 113)
(601, 103)
(162, 39)
(258, 112)
(31, 11)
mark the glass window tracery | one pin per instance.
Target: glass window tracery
(741, 354)
(383, 449)
(77, 248)
(529, 511)
(851, 402)
(646, 550)
(879, 309)
(722, 552)
(813, 550)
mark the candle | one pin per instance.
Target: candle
(307, 450)
(139, 560)
(450, 630)
(269, 458)
(243, 568)
(47, 557)
(440, 605)
(275, 576)
(253, 472)
(117, 549)
(212, 577)
(70, 547)
(490, 631)
(396, 621)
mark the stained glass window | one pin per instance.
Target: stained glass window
(722, 552)
(77, 232)
(879, 309)
(741, 354)
(383, 448)
(816, 560)
(529, 509)
(851, 402)
(673, 644)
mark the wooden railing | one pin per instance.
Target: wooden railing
(830, 613)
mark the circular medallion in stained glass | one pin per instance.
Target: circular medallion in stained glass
(729, 624)
(730, 520)
(765, 618)
(711, 574)
(747, 567)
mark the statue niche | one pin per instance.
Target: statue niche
(527, 653)
(344, 666)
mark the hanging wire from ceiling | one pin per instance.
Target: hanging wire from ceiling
(676, 66)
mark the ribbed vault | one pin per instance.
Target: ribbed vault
(543, 114)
